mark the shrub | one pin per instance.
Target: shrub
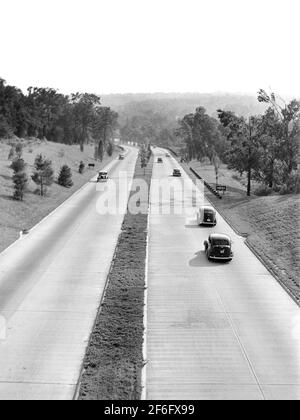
(291, 185)
(263, 190)
(65, 177)
(81, 167)
(20, 182)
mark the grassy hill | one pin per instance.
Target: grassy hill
(16, 216)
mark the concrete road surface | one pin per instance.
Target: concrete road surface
(51, 284)
(215, 330)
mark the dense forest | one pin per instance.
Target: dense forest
(46, 113)
(258, 136)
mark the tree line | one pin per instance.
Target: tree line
(45, 113)
(265, 147)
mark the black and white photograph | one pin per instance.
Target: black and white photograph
(149, 203)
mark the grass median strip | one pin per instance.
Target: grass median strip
(114, 358)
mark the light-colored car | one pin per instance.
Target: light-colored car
(121, 157)
(206, 215)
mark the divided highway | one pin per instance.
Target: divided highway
(215, 330)
(51, 283)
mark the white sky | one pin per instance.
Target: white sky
(115, 46)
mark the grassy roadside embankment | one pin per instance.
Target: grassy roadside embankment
(270, 224)
(16, 216)
(114, 359)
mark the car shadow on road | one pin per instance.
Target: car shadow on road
(201, 260)
(195, 226)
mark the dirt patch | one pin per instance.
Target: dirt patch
(114, 358)
(271, 224)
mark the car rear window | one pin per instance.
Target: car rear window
(220, 242)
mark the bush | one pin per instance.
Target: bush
(263, 190)
(291, 185)
(65, 177)
(81, 167)
(20, 182)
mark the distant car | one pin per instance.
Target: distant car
(159, 160)
(206, 215)
(121, 157)
(168, 155)
(218, 247)
(102, 176)
(177, 172)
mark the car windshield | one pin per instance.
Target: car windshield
(220, 242)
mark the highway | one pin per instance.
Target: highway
(214, 330)
(51, 283)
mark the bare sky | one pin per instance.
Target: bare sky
(106, 46)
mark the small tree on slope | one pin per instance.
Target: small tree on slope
(65, 177)
(44, 174)
(20, 179)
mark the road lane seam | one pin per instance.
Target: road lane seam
(243, 349)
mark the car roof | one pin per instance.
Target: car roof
(207, 208)
(219, 236)
(103, 172)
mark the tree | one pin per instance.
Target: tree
(65, 177)
(216, 162)
(19, 150)
(11, 154)
(284, 128)
(109, 148)
(84, 107)
(144, 157)
(20, 179)
(81, 167)
(44, 174)
(201, 135)
(243, 135)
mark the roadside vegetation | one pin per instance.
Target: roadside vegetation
(21, 209)
(47, 139)
(114, 359)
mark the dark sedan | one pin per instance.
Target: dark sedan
(218, 247)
